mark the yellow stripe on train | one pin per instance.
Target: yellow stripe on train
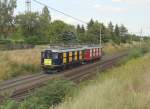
(64, 60)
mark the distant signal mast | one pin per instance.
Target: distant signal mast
(28, 6)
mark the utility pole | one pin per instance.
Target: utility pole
(28, 11)
(100, 36)
(131, 40)
(28, 6)
(141, 32)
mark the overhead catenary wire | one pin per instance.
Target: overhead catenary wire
(63, 13)
(68, 15)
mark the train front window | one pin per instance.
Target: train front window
(48, 54)
(55, 55)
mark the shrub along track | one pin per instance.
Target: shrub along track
(19, 88)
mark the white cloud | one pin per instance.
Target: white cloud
(133, 2)
(118, 0)
(108, 8)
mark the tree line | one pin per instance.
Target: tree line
(35, 27)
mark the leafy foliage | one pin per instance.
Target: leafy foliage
(28, 24)
(9, 104)
(6, 17)
(62, 32)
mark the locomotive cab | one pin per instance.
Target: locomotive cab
(46, 58)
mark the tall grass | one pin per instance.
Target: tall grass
(19, 62)
(111, 48)
(121, 88)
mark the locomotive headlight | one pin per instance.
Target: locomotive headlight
(47, 61)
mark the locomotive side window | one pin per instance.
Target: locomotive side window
(55, 55)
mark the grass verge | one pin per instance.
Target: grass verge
(124, 87)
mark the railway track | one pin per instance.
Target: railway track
(95, 68)
(19, 88)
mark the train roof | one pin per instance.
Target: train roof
(66, 49)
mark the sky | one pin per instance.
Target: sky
(134, 14)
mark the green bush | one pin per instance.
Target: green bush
(133, 54)
(36, 40)
(17, 36)
(9, 104)
(31, 40)
(137, 52)
(52, 94)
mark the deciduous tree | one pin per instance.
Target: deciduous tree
(28, 24)
(6, 16)
(58, 31)
(45, 20)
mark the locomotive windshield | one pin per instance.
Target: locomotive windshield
(47, 54)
